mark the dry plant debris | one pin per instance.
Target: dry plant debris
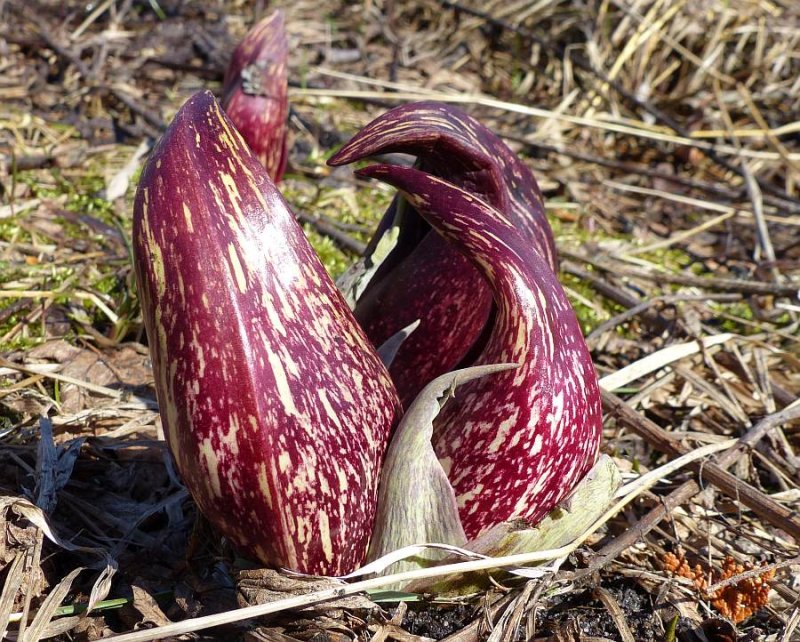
(665, 135)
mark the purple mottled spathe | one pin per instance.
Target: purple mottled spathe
(425, 278)
(276, 407)
(255, 92)
(516, 443)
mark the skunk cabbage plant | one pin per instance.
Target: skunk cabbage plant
(275, 406)
(424, 277)
(516, 443)
(254, 92)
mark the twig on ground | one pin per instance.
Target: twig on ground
(709, 283)
(685, 491)
(668, 299)
(325, 228)
(762, 505)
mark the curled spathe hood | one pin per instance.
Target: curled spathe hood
(424, 277)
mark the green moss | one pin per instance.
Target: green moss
(671, 258)
(22, 342)
(362, 207)
(12, 232)
(738, 317)
(738, 309)
(81, 192)
(28, 336)
(11, 271)
(333, 258)
(588, 315)
(78, 193)
(574, 236)
(108, 284)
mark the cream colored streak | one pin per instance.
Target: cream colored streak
(323, 397)
(282, 383)
(230, 439)
(503, 432)
(187, 216)
(238, 272)
(325, 536)
(263, 484)
(211, 461)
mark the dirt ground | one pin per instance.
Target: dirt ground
(664, 136)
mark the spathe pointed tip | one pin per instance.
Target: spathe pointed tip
(204, 96)
(255, 91)
(194, 106)
(268, 27)
(198, 103)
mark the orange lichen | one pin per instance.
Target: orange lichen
(736, 601)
